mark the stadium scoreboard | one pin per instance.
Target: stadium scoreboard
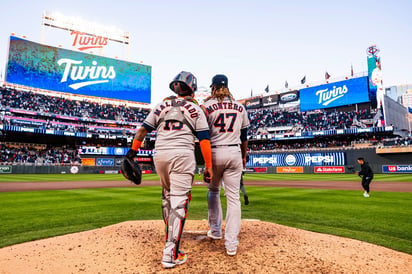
(55, 69)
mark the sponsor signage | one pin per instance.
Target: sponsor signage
(289, 169)
(111, 172)
(5, 169)
(117, 151)
(45, 67)
(397, 169)
(260, 169)
(270, 100)
(253, 103)
(27, 122)
(104, 162)
(329, 169)
(144, 159)
(297, 159)
(336, 94)
(289, 97)
(74, 169)
(88, 161)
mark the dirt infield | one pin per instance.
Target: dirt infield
(344, 185)
(136, 246)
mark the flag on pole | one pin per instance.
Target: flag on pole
(327, 75)
(267, 89)
(303, 80)
(286, 84)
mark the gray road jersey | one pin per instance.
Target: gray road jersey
(172, 135)
(225, 119)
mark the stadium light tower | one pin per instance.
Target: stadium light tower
(80, 26)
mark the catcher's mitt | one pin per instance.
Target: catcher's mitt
(131, 171)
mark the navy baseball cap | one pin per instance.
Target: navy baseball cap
(219, 80)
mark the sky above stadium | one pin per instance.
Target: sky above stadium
(255, 43)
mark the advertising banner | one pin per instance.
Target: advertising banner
(144, 159)
(289, 169)
(297, 159)
(336, 94)
(330, 169)
(253, 103)
(375, 76)
(289, 97)
(397, 169)
(256, 170)
(45, 67)
(117, 151)
(88, 161)
(270, 100)
(5, 169)
(104, 162)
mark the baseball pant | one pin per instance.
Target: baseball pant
(366, 182)
(176, 170)
(227, 167)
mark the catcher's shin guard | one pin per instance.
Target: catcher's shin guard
(165, 205)
(175, 223)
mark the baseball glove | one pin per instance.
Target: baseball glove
(131, 170)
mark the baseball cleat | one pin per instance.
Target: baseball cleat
(181, 259)
(231, 252)
(246, 200)
(210, 235)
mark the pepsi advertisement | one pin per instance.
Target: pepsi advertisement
(336, 94)
(297, 159)
(50, 68)
(253, 103)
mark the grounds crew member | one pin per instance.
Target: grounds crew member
(367, 175)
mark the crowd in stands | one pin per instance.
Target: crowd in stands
(281, 146)
(262, 120)
(47, 107)
(306, 121)
(397, 142)
(40, 155)
(18, 99)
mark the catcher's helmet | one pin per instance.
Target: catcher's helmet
(184, 83)
(219, 80)
(131, 171)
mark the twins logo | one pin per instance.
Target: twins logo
(91, 74)
(328, 96)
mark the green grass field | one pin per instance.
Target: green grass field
(154, 177)
(384, 219)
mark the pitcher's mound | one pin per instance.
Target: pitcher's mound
(136, 247)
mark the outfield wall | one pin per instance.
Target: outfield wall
(279, 162)
(328, 161)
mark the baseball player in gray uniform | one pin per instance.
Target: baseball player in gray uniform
(178, 120)
(228, 123)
